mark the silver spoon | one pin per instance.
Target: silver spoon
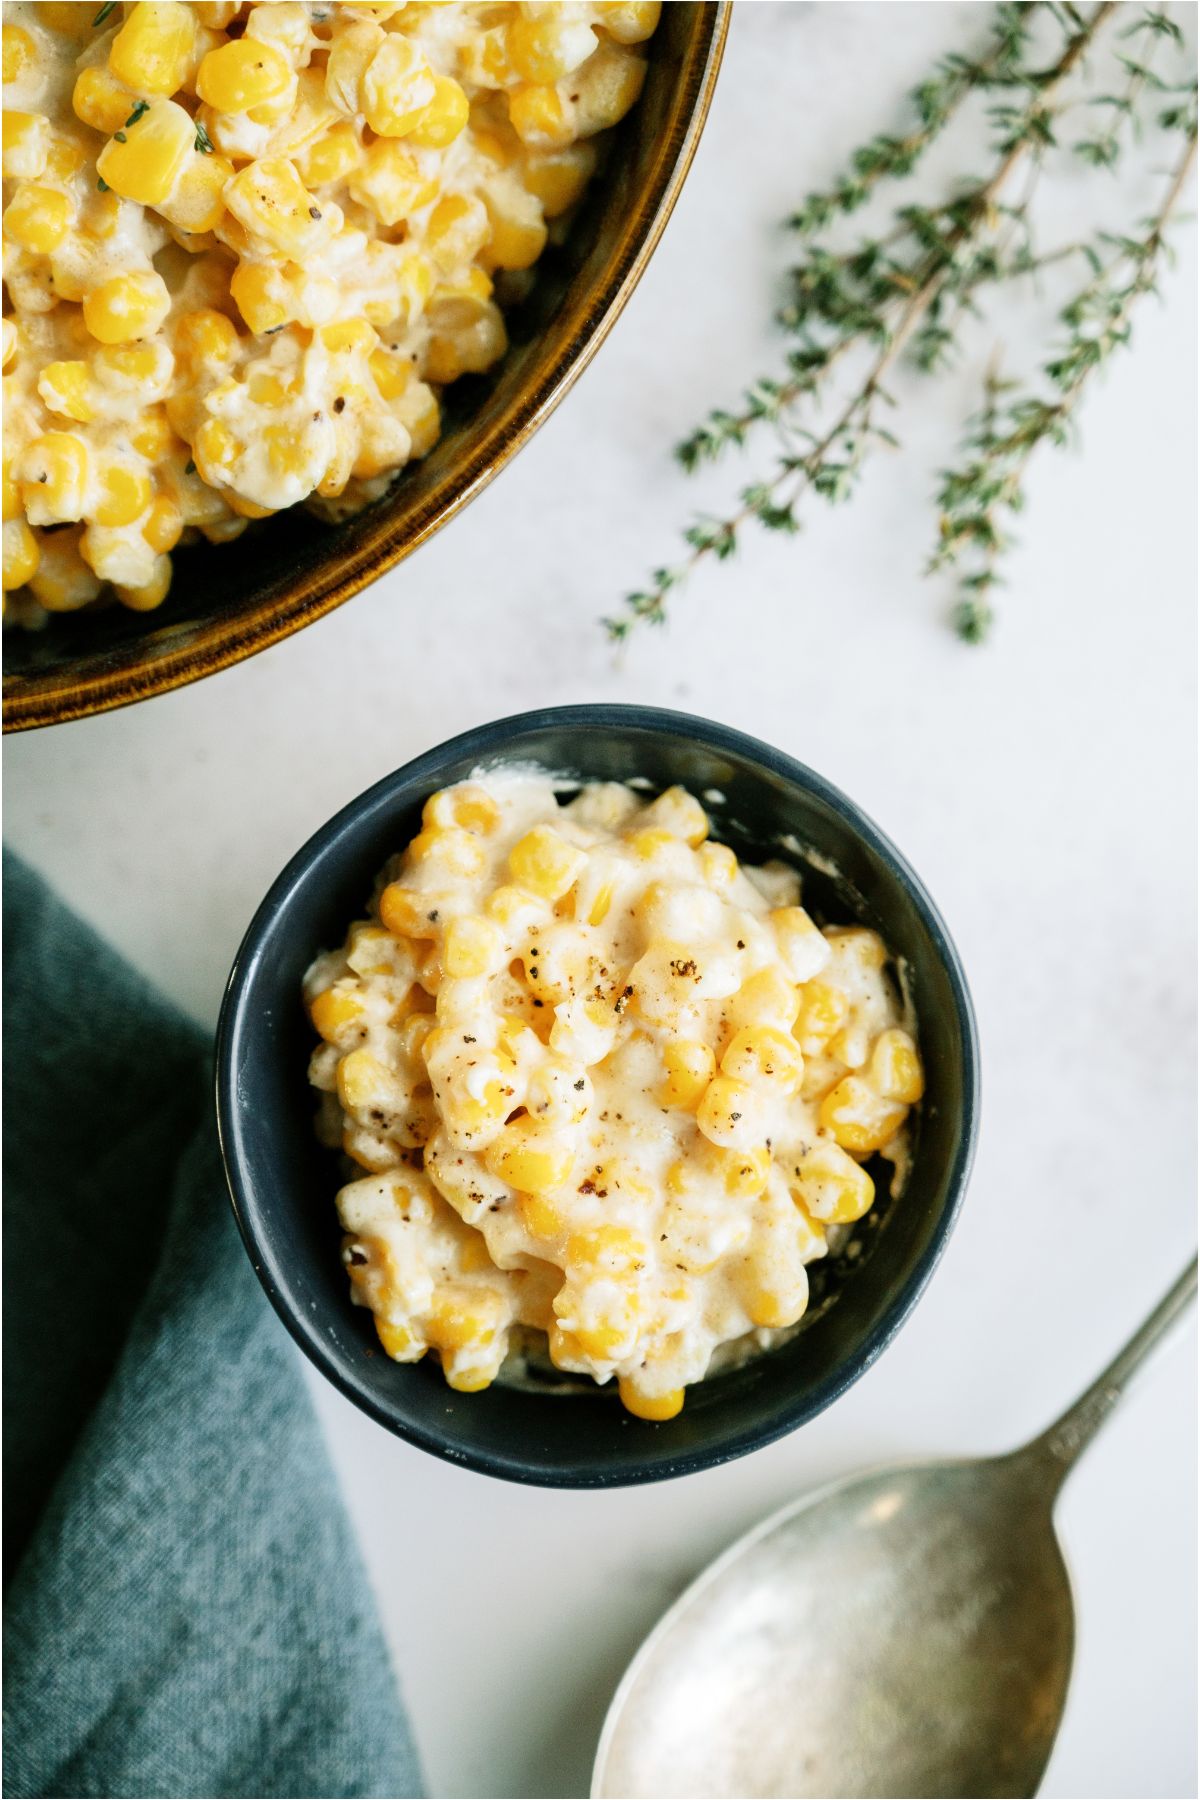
(906, 1633)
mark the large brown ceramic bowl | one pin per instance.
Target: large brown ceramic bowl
(227, 602)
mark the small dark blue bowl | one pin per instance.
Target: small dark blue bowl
(283, 1183)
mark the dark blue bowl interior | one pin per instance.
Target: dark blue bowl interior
(283, 1183)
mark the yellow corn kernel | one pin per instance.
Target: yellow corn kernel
(164, 528)
(405, 912)
(397, 87)
(146, 161)
(518, 234)
(473, 946)
(398, 1341)
(823, 1012)
(540, 118)
(540, 50)
(66, 16)
(242, 73)
(858, 1118)
(443, 118)
(124, 495)
(392, 373)
(655, 1407)
(802, 946)
(37, 218)
(648, 844)
(831, 1186)
(763, 1057)
(21, 555)
(545, 863)
(364, 1084)
(102, 101)
(772, 1311)
(63, 582)
(895, 1068)
(26, 144)
(604, 1341)
(151, 435)
(453, 850)
(206, 336)
(466, 805)
(529, 1158)
(64, 386)
(557, 178)
(767, 998)
(19, 52)
(126, 307)
(391, 182)
(271, 201)
(331, 157)
(197, 203)
(690, 1066)
(457, 230)
(337, 1013)
(264, 296)
(348, 335)
(539, 1217)
(729, 1113)
(864, 946)
(12, 493)
(606, 89)
(150, 594)
(629, 21)
(464, 1318)
(743, 1173)
(64, 158)
(610, 1249)
(679, 814)
(152, 51)
(54, 471)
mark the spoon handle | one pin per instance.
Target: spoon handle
(1058, 1447)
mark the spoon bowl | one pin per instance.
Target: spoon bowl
(907, 1632)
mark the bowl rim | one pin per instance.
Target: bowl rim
(58, 700)
(483, 741)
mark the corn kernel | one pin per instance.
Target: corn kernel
(831, 1186)
(823, 1012)
(540, 118)
(457, 230)
(348, 335)
(197, 202)
(406, 913)
(540, 1218)
(518, 234)
(763, 1057)
(529, 1158)
(37, 218)
(271, 201)
(164, 527)
(147, 595)
(102, 101)
(12, 493)
(397, 87)
(242, 73)
(545, 863)
(612, 1249)
(19, 52)
(730, 1114)
(774, 1311)
(629, 21)
(26, 144)
(146, 161)
(453, 850)
(767, 998)
(54, 471)
(398, 1341)
(895, 1068)
(391, 182)
(66, 16)
(690, 1066)
(543, 49)
(473, 946)
(64, 386)
(643, 1405)
(63, 582)
(124, 495)
(152, 51)
(857, 1118)
(127, 306)
(802, 947)
(21, 555)
(443, 118)
(743, 1173)
(331, 157)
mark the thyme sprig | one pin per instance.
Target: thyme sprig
(905, 293)
(975, 496)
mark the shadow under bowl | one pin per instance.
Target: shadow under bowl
(226, 604)
(763, 804)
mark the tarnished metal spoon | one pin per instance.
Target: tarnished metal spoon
(906, 1633)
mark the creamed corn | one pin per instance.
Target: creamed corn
(601, 1083)
(247, 246)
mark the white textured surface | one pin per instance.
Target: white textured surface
(1043, 788)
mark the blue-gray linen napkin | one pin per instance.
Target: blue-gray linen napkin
(187, 1613)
